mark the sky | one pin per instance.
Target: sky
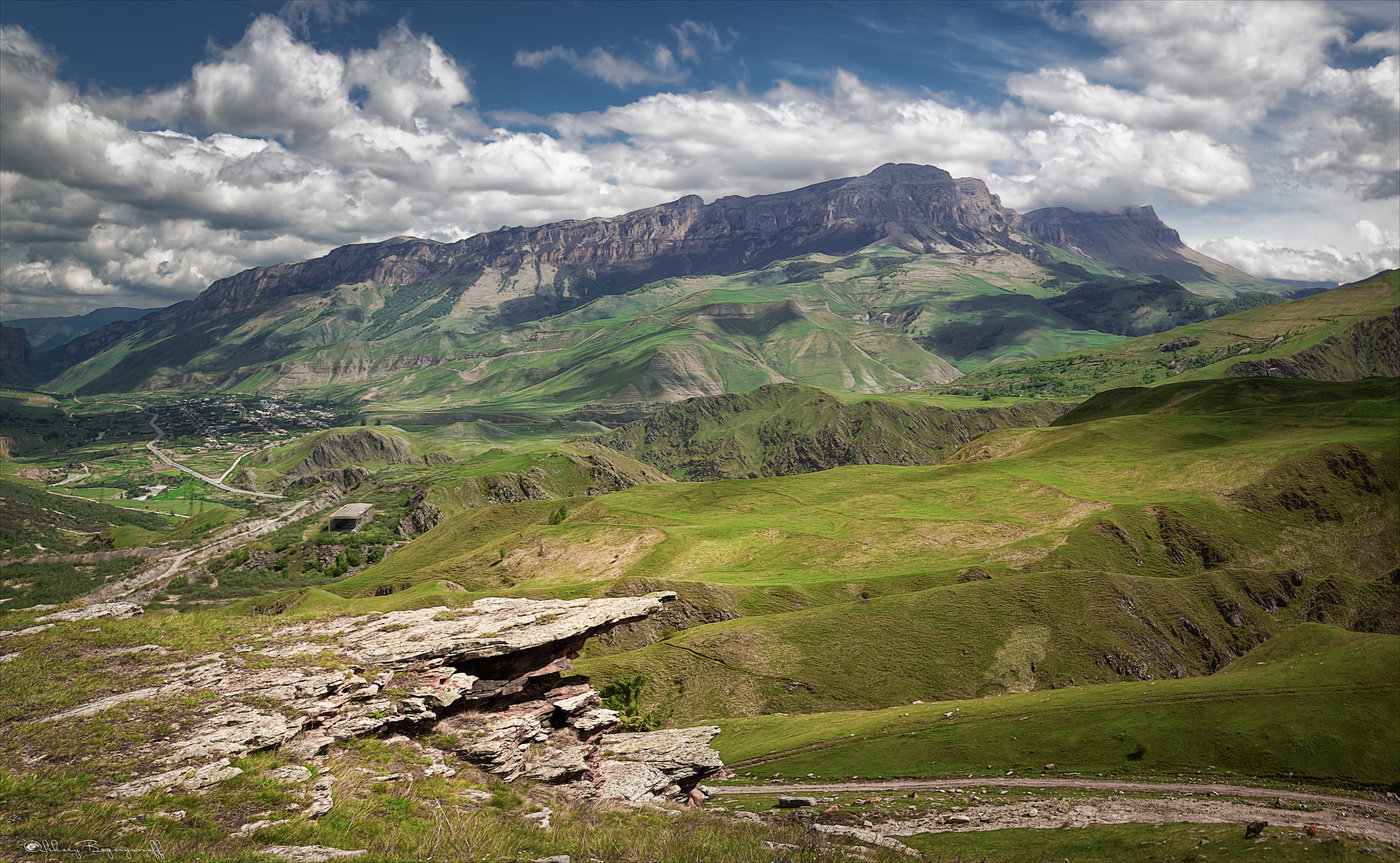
(148, 149)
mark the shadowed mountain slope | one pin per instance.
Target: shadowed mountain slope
(783, 429)
(1137, 240)
(1348, 333)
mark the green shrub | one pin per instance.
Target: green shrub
(624, 696)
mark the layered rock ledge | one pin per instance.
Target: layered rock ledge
(492, 679)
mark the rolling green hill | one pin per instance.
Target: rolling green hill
(1344, 334)
(1272, 713)
(1140, 543)
(782, 429)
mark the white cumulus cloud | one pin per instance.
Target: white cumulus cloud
(275, 149)
(1379, 250)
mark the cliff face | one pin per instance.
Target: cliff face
(602, 256)
(15, 355)
(1137, 240)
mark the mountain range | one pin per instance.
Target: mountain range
(902, 278)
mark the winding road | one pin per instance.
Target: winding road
(217, 483)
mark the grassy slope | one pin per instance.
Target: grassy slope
(862, 323)
(782, 429)
(1144, 519)
(864, 522)
(1270, 332)
(1315, 701)
(60, 522)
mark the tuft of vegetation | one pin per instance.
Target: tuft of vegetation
(625, 696)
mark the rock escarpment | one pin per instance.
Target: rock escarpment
(492, 680)
(596, 256)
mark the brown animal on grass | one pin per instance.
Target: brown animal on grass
(1312, 829)
(1254, 828)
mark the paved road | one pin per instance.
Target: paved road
(209, 479)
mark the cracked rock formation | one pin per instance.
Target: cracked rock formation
(494, 678)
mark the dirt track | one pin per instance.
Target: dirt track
(1198, 788)
(1370, 818)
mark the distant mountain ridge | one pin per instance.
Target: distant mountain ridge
(592, 257)
(46, 333)
(390, 308)
(1135, 240)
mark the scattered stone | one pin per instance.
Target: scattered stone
(7, 633)
(796, 802)
(310, 853)
(1050, 767)
(557, 858)
(959, 819)
(9, 657)
(744, 815)
(593, 720)
(117, 610)
(541, 818)
(190, 780)
(870, 837)
(254, 826)
(292, 773)
(321, 799)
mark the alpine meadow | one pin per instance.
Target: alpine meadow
(759, 492)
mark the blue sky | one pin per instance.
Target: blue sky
(147, 149)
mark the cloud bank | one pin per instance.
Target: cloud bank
(274, 149)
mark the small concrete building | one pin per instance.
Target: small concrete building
(352, 517)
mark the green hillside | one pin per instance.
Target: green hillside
(61, 524)
(783, 429)
(1182, 539)
(884, 319)
(1344, 334)
(1272, 713)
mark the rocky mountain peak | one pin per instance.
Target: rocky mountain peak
(685, 236)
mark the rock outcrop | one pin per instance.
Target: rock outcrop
(492, 677)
